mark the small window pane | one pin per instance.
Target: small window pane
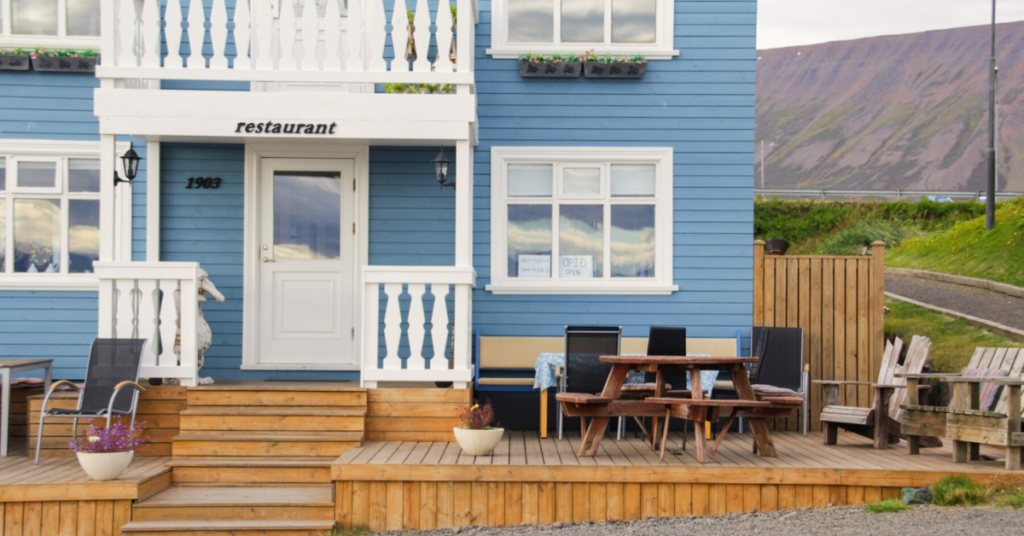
(37, 235)
(83, 17)
(530, 180)
(37, 174)
(3, 235)
(83, 235)
(581, 241)
(633, 241)
(34, 17)
(307, 215)
(633, 181)
(83, 175)
(583, 21)
(581, 181)
(529, 241)
(3, 174)
(634, 21)
(531, 21)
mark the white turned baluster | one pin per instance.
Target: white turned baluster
(443, 63)
(150, 33)
(287, 36)
(241, 31)
(148, 318)
(219, 34)
(439, 325)
(196, 33)
(376, 29)
(310, 35)
(399, 37)
(356, 37)
(127, 20)
(263, 41)
(168, 323)
(392, 325)
(417, 330)
(422, 19)
(332, 37)
(173, 33)
(124, 324)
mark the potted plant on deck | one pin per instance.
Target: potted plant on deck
(14, 59)
(554, 66)
(607, 66)
(65, 60)
(105, 453)
(476, 436)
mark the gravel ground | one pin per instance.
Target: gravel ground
(923, 520)
(978, 302)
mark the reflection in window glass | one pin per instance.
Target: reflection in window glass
(83, 175)
(632, 240)
(307, 215)
(37, 174)
(581, 181)
(37, 235)
(633, 180)
(3, 235)
(581, 241)
(531, 21)
(34, 17)
(83, 235)
(634, 21)
(583, 21)
(530, 180)
(3, 174)
(83, 17)
(529, 241)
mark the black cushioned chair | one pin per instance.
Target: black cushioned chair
(584, 372)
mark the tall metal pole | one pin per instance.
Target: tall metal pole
(990, 197)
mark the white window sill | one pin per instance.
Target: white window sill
(605, 288)
(513, 53)
(30, 42)
(44, 283)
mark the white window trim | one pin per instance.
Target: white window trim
(44, 150)
(661, 157)
(660, 49)
(29, 41)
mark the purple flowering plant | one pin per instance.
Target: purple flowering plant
(477, 417)
(118, 438)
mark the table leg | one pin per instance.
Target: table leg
(47, 378)
(701, 440)
(595, 431)
(654, 420)
(5, 408)
(543, 413)
(762, 437)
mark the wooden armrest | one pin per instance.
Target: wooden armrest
(841, 382)
(129, 383)
(707, 402)
(55, 385)
(887, 386)
(1003, 380)
(926, 376)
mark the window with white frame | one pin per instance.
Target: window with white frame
(626, 27)
(31, 23)
(567, 220)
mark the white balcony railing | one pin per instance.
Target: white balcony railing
(429, 292)
(152, 300)
(270, 41)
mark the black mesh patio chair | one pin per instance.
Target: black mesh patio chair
(584, 372)
(113, 366)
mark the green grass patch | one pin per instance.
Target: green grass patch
(355, 531)
(953, 340)
(1014, 500)
(853, 239)
(887, 506)
(959, 491)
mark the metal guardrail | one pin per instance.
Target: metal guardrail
(881, 194)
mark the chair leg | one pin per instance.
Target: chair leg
(39, 434)
(914, 445)
(622, 428)
(561, 423)
(831, 433)
(805, 417)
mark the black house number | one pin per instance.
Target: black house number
(206, 183)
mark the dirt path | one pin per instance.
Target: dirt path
(978, 302)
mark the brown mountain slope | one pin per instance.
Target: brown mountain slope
(906, 111)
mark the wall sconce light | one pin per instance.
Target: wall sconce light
(130, 161)
(441, 166)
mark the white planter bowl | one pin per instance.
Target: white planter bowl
(478, 442)
(104, 465)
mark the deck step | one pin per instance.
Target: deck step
(250, 471)
(318, 395)
(287, 419)
(228, 528)
(232, 503)
(264, 444)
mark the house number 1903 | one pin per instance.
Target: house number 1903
(206, 183)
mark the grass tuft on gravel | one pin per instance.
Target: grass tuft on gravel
(959, 491)
(887, 506)
(355, 531)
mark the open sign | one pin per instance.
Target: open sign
(576, 266)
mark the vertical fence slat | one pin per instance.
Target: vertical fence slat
(804, 322)
(877, 304)
(168, 322)
(758, 283)
(376, 37)
(439, 324)
(864, 368)
(287, 36)
(828, 356)
(127, 20)
(769, 291)
(263, 37)
(357, 37)
(780, 291)
(815, 327)
(852, 394)
(838, 315)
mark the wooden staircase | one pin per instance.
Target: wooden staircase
(255, 459)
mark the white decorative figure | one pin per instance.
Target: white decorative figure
(204, 337)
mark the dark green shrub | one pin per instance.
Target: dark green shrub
(958, 491)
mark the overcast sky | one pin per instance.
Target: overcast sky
(783, 23)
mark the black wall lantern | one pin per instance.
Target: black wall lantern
(130, 160)
(441, 166)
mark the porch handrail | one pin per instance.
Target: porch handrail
(158, 301)
(382, 340)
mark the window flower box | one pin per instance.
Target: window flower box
(536, 66)
(66, 60)
(11, 61)
(595, 66)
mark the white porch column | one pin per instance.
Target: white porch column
(153, 201)
(463, 255)
(108, 166)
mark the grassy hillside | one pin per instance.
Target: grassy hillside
(967, 249)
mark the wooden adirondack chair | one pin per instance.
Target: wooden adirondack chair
(881, 421)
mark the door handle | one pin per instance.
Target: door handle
(267, 259)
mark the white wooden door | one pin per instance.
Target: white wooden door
(307, 264)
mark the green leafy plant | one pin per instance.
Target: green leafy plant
(16, 51)
(887, 506)
(959, 491)
(63, 53)
(419, 88)
(410, 14)
(591, 57)
(455, 13)
(553, 58)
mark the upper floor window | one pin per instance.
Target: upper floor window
(31, 23)
(624, 27)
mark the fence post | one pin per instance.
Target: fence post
(876, 302)
(758, 282)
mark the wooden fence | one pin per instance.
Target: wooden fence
(839, 302)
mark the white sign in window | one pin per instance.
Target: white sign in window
(534, 266)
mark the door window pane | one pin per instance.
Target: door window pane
(633, 180)
(83, 175)
(531, 21)
(634, 21)
(37, 235)
(37, 174)
(581, 181)
(529, 241)
(307, 215)
(83, 17)
(530, 180)
(582, 21)
(83, 235)
(581, 241)
(633, 241)
(34, 17)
